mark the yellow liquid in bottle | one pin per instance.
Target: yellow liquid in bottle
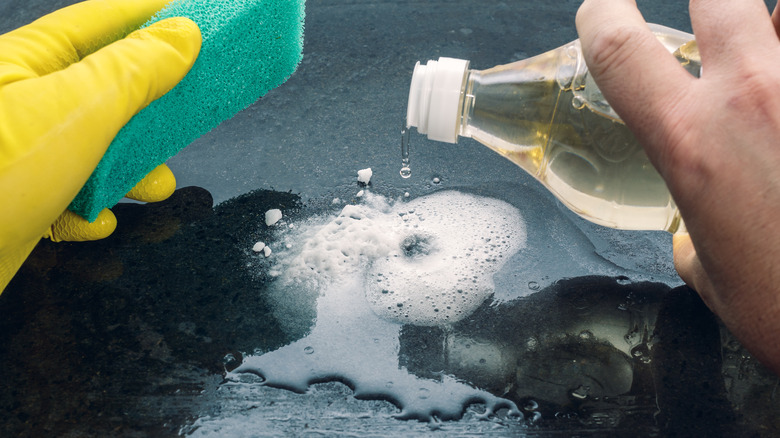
(589, 160)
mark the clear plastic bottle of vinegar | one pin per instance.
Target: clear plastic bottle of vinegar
(546, 115)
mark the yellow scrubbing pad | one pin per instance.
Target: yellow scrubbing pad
(249, 47)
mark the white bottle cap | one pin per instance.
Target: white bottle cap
(435, 98)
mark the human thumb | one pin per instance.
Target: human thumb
(688, 265)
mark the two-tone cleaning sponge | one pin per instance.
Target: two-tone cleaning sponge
(249, 47)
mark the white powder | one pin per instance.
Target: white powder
(272, 216)
(258, 247)
(364, 175)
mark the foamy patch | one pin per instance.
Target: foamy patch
(426, 262)
(346, 284)
(336, 249)
(448, 246)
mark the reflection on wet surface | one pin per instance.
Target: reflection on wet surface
(134, 334)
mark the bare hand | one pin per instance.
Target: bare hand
(716, 142)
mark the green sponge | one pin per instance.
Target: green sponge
(249, 47)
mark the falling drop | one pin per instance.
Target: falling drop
(406, 171)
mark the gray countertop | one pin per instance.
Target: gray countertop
(173, 325)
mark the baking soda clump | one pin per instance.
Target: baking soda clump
(272, 216)
(364, 175)
(428, 261)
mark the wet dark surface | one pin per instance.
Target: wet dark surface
(589, 333)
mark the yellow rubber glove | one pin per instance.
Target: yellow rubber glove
(68, 82)
(157, 185)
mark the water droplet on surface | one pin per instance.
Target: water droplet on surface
(642, 353)
(232, 360)
(581, 392)
(533, 285)
(308, 350)
(406, 172)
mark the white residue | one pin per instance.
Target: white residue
(364, 175)
(272, 216)
(258, 247)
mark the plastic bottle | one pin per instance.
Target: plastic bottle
(546, 115)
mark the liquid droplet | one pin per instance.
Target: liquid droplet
(581, 392)
(531, 405)
(406, 171)
(533, 285)
(308, 350)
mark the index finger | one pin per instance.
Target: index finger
(67, 35)
(638, 76)
(727, 34)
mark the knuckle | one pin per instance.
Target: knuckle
(755, 85)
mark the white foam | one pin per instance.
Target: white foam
(449, 245)
(428, 261)
(339, 280)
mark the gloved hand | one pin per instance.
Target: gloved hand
(68, 82)
(157, 185)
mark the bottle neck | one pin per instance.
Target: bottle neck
(435, 98)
